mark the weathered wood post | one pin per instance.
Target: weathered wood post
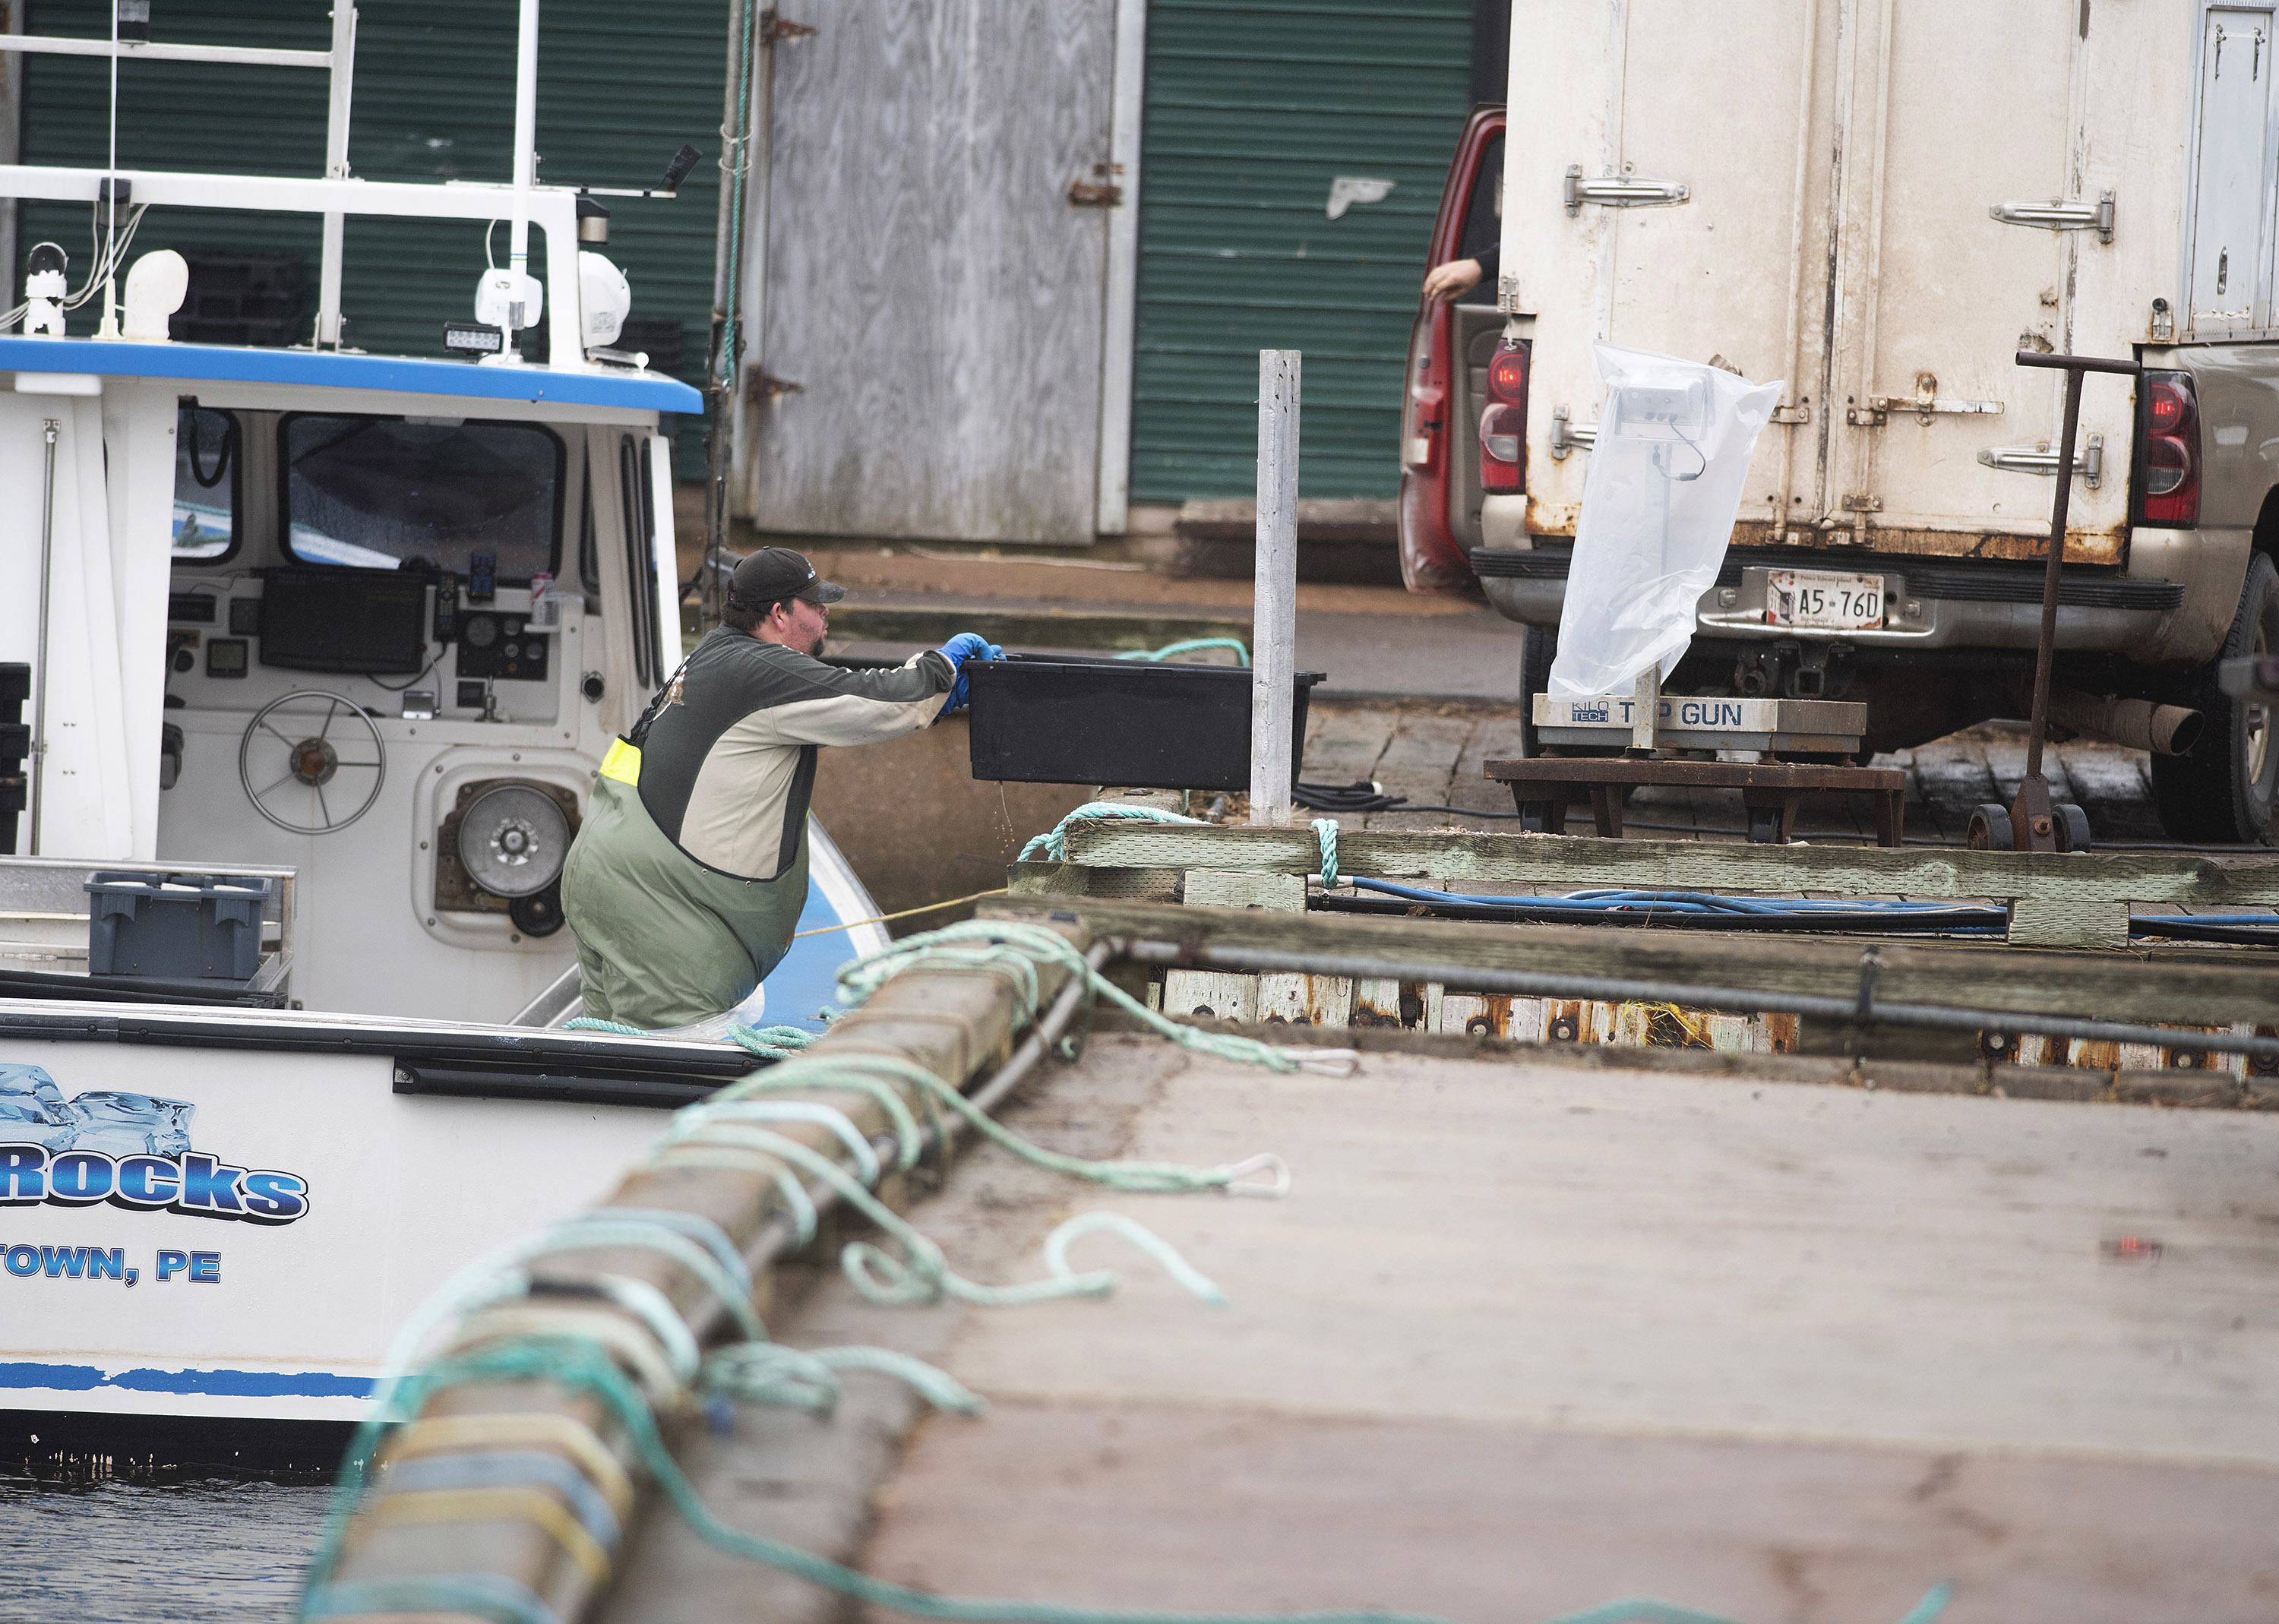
(1274, 613)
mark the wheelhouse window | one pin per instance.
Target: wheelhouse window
(206, 465)
(422, 493)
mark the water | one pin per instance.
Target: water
(213, 1552)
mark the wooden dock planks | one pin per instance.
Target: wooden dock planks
(1523, 1339)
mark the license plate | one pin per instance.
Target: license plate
(1817, 598)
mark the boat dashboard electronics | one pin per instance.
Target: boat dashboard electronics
(328, 618)
(500, 646)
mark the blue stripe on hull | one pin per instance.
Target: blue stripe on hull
(225, 364)
(806, 982)
(212, 1384)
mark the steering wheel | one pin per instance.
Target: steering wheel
(288, 748)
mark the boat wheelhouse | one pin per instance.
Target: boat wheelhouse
(316, 653)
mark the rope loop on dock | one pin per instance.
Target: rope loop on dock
(1052, 845)
(1179, 1268)
(808, 1379)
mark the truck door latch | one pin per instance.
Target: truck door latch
(1568, 435)
(2043, 459)
(2059, 214)
(1926, 402)
(1621, 191)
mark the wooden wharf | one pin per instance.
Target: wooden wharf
(2060, 900)
(1537, 1326)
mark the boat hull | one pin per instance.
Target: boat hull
(313, 1206)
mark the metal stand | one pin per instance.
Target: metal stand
(1649, 706)
(2034, 824)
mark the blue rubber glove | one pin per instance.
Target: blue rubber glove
(966, 646)
(969, 645)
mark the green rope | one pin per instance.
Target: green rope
(767, 1042)
(1054, 842)
(843, 1075)
(922, 1274)
(984, 944)
(1325, 831)
(1187, 644)
(769, 1373)
(1933, 1602)
(822, 1072)
(772, 1042)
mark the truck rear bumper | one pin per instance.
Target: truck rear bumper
(1930, 604)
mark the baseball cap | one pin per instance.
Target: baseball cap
(776, 572)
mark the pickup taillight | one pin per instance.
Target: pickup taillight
(1503, 421)
(2169, 452)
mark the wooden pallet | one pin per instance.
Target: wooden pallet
(1545, 787)
(2072, 901)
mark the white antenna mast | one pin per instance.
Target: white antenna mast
(108, 328)
(525, 174)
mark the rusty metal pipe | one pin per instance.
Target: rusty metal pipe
(1866, 1010)
(2133, 723)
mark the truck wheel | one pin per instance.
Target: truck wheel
(1539, 646)
(2220, 792)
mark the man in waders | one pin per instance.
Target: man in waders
(688, 875)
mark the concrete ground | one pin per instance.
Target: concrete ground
(1524, 1339)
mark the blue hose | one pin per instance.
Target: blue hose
(1601, 901)
(1962, 917)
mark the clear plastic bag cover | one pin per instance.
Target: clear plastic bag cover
(1672, 454)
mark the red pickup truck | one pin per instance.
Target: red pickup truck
(1444, 472)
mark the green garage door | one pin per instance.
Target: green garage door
(619, 87)
(1254, 110)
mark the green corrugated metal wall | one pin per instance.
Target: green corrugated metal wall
(619, 87)
(1253, 107)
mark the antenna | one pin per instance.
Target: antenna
(676, 171)
(138, 27)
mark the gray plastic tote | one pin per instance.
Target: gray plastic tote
(1674, 440)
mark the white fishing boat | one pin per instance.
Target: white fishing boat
(324, 650)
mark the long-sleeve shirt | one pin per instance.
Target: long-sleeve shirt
(728, 764)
